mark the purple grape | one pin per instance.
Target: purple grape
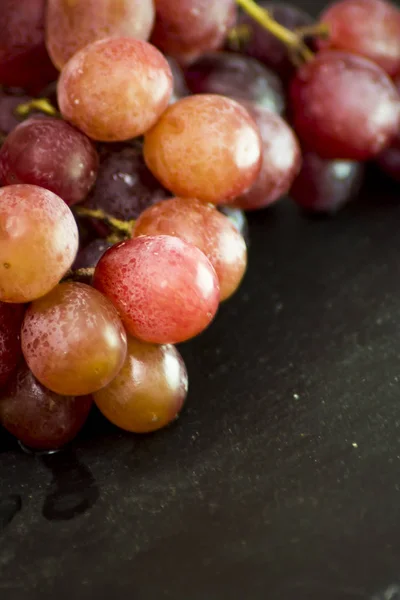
(39, 418)
(90, 255)
(236, 76)
(52, 154)
(326, 185)
(8, 104)
(266, 47)
(124, 187)
(11, 316)
(24, 61)
(389, 160)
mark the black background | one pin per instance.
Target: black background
(281, 480)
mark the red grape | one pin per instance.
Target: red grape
(38, 242)
(389, 159)
(115, 89)
(24, 61)
(367, 27)
(206, 228)
(236, 76)
(206, 147)
(11, 316)
(165, 290)
(325, 185)
(73, 25)
(281, 160)
(344, 106)
(124, 187)
(52, 154)
(193, 27)
(148, 392)
(73, 340)
(39, 418)
(265, 46)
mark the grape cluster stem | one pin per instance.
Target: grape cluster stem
(41, 104)
(294, 40)
(124, 228)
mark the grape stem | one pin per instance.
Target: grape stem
(317, 30)
(120, 227)
(293, 40)
(41, 104)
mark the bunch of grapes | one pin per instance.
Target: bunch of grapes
(135, 134)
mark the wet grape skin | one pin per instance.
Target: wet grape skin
(165, 290)
(206, 147)
(55, 156)
(72, 26)
(206, 228)
(73, 340)
(343, 106)
(280, 163)
(370, 28)
(39, 418)
(195, 27)
(149, 391)
(115, 89)
(38, 242)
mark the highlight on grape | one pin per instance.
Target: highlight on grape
(133, 140)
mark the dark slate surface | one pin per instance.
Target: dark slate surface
(281, 480)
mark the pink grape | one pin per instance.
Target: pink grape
(39, 418)
(325, 185)
(281, 160)
(370, 28)
(38, 242)
(52, 154)
(344, 106)
(206, 228)
(195, 26)
(73, 340)
(24, 61)
(115, 89)
(11, 316)
(149, 391)
(206, 147)
(238, 77)
(73, 25)
(165, 290)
